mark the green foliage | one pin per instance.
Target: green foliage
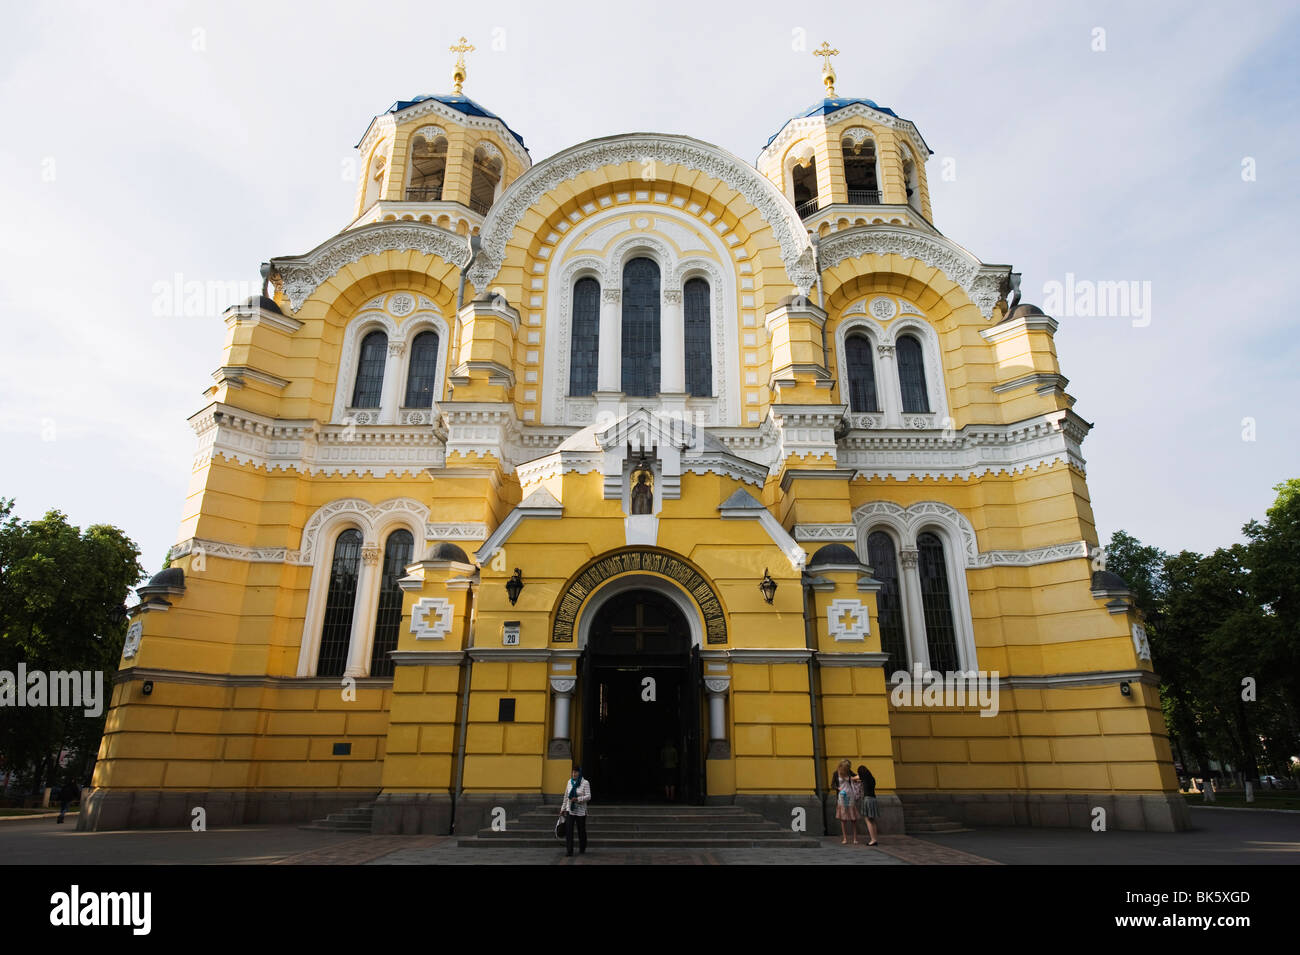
(1218, 620)
(62, 595)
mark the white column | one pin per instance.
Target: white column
(913, 611)
(563, 688)
(888, 395)
(717, 689)
(388, 395)
(609, 377)
(363, 613)
(672, 343)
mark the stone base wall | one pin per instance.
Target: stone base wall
(107, 809)
(1157, 812)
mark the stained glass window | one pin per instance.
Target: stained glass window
(641, 328)
(397, 554)
(862, 374)
(336, 634)
(584, 345)
(422, 371)
(699, 351)
(370, 371)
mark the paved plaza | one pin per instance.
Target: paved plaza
(1221, 837)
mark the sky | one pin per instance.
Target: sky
(1152, 144)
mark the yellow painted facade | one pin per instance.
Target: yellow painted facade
(800, 381)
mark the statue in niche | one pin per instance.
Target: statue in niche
(643, 495)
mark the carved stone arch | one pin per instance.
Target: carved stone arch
(637, 149)
(857, 135)
(985, 285)
(876, 514)
(367, 321)
(430, 133)
(634, 247)
(364, 513)
(647, 568)
(298, 277)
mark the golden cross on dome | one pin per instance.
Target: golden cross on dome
(828, 71)
(459, 72)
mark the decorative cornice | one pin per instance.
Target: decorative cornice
(388, 122)
(868, 659)
(234, 376)
(636, 149)
(508, 654)
(243, 315)
(1042, 382)
(801, 125)
(985, 285)
(309, 447)
(825, 533)
(134, 674)
(973, 451)
(1019, 326)
(299, 276)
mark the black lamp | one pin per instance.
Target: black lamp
(1124, 688)
(147, 687)
(768, 586)
(514, 585)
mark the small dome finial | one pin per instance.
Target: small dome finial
(458, 72)
(828, 71)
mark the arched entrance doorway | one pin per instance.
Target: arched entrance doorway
(641, 702)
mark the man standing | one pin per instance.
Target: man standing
(574, 809)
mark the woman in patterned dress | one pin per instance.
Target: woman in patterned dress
(846, 801)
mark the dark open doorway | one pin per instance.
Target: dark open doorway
(641, 703)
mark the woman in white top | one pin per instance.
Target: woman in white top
(577, 793)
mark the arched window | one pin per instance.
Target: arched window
(936, 600)
(483, 182)
(699, 353)
(862, 373)
(422, 371)
(910, 180)
(336, 634)
(584, 343)
(428, 167)
(860, 171)
(911, 375)
(889, 601)
(370, 371)
(397, 554)
(641, 328)
(804, 178)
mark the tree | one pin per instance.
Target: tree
(62, 593)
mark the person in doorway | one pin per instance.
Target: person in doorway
(869, 809)
(847, 795)
(668, 767)
(574, 809)
(67, 795)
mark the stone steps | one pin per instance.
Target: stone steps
(345, 820)
(649, 827)
(918, 819)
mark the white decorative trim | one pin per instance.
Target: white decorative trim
(431, 618)
(857, 629)
(975, 450)
(388, 122)
(983, 284)
(244, 315)
(558, 406)
(1141, 645)
(541, 503)
(802, 125)
(133, 638)
(825, 533)
(457, 531)
(885, 339)
(309, 447)
(744, 506)
(1018, 326)
(636, 149)
(299, 276)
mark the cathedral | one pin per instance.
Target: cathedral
(698, 473)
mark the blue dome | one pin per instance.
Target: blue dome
(462, 104)
(824, 107)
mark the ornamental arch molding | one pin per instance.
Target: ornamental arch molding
(638, 149)
(984, 285)
(639, 569)
(298, 277)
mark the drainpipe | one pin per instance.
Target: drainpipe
(467, 673)
(814, 691)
